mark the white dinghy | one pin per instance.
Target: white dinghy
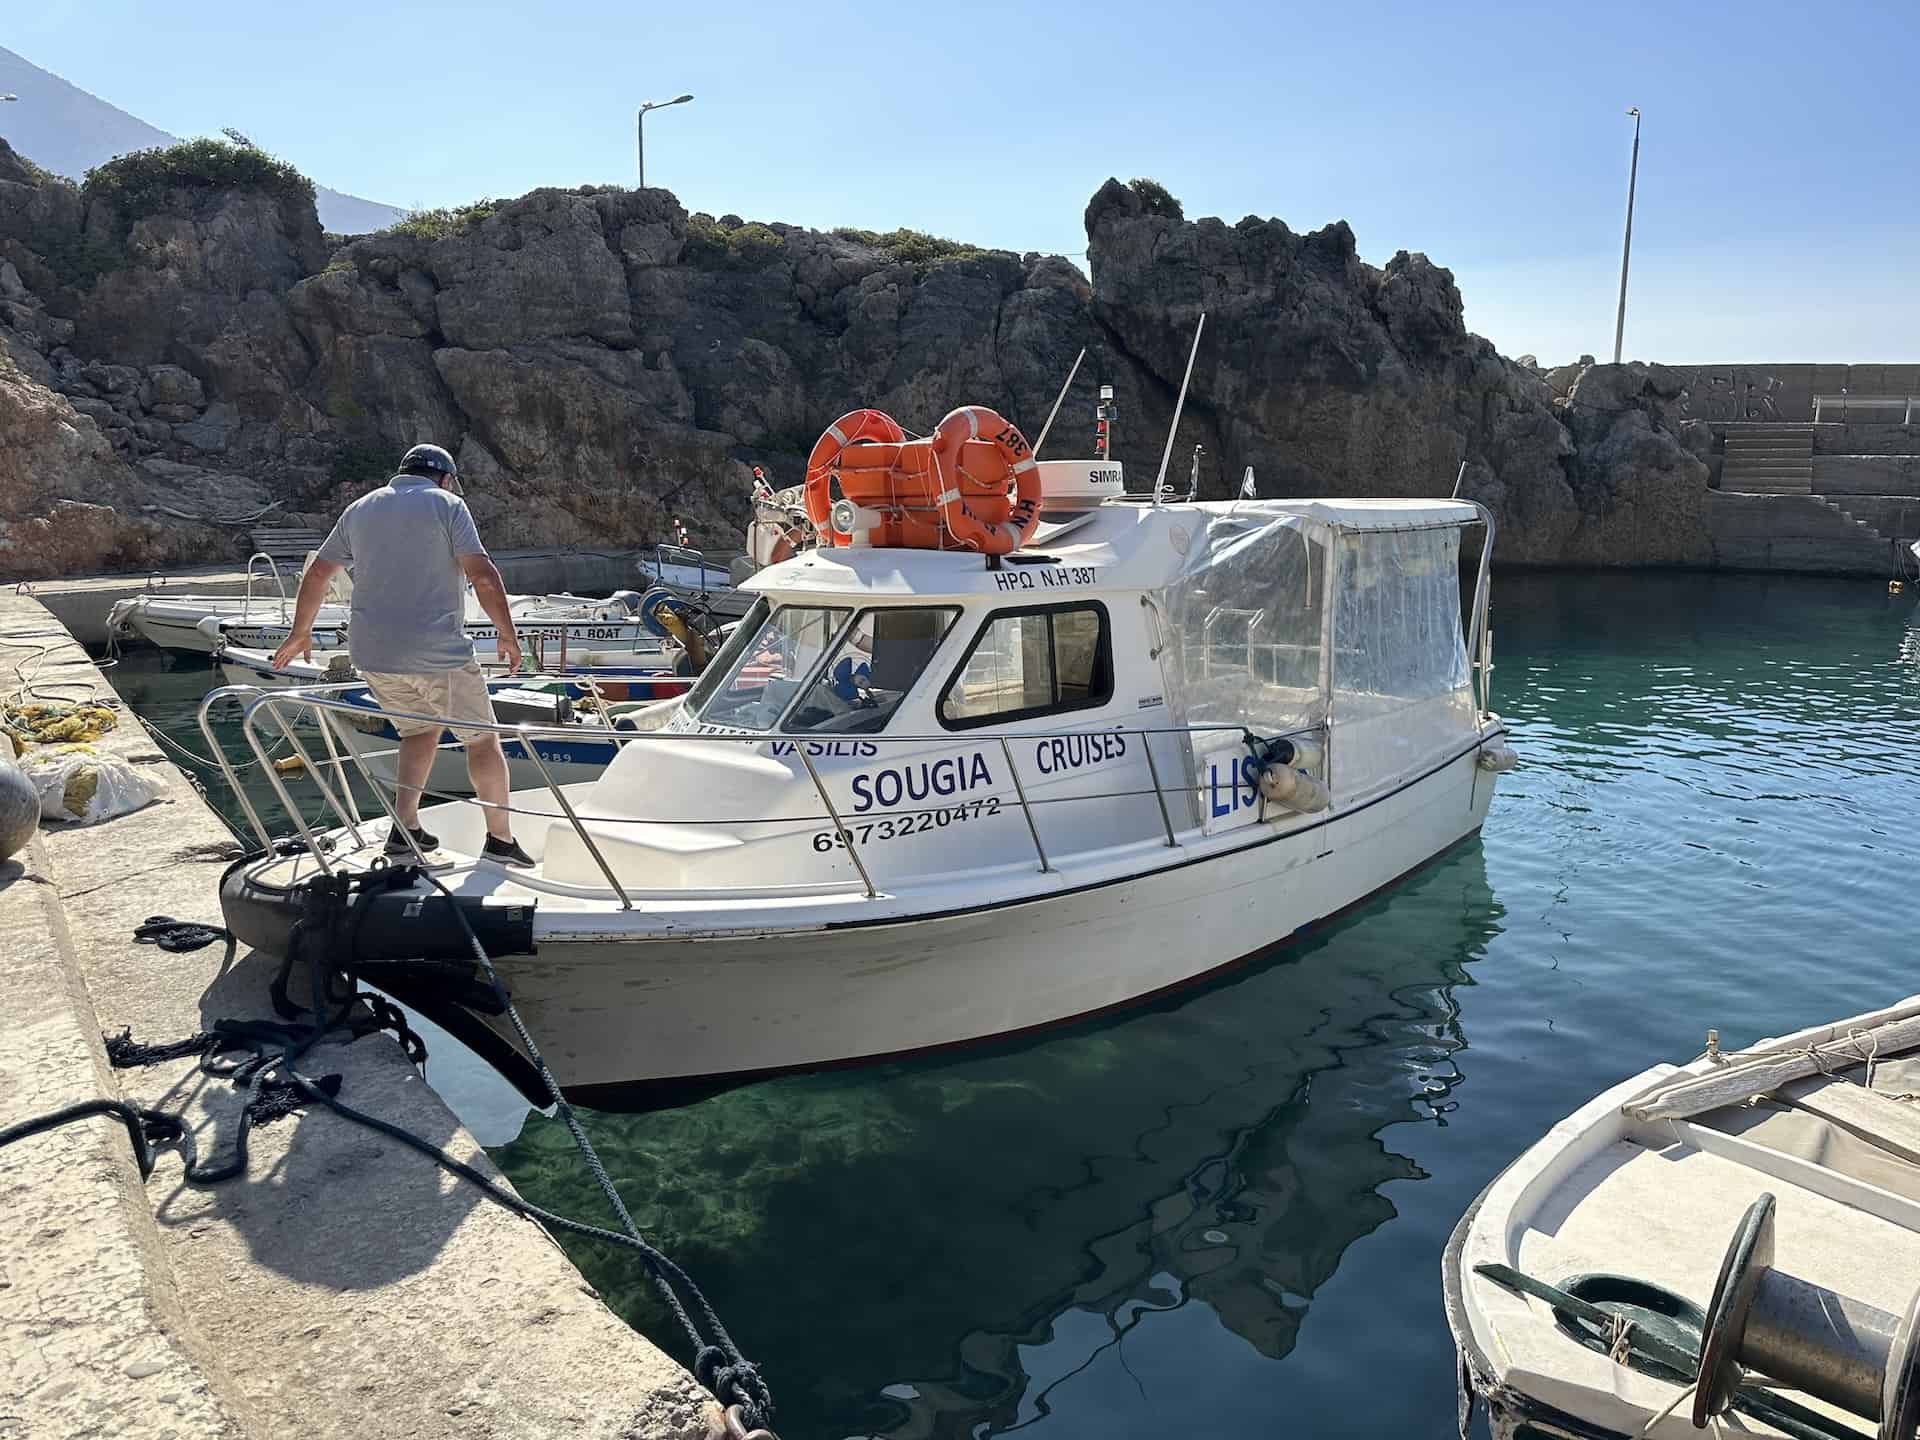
(561, 625)
(924, 796)
(196, 624)
(1733, 1243)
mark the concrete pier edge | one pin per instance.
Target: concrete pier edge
(344, 1286)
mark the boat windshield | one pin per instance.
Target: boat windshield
(768, 670)
(877, 662)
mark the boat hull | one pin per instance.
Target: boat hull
(613, 1018)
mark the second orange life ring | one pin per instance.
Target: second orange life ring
(855, 427)
(961, 429)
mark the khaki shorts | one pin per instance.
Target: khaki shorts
(455, 695)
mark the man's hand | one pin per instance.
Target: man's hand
(297, 646)
(510, 653)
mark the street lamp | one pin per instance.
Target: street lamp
(4, 98)
(640, 130)
(1626, 250)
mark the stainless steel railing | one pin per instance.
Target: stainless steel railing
(278, 707)
(246, 611)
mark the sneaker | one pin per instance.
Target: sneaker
(508, 853)
(397, 846)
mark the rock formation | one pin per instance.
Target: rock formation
(604, 363)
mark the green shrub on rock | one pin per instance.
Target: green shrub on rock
(443, 221)
(731, 243)
(137, 185)
(1159, 199)
(911, 247)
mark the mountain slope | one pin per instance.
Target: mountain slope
(62, 128)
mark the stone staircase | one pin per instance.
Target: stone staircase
(1867, 530)
(1768, 460)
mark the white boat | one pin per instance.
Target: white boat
(578, 716)
(1730, 1243)
(239, 665)
(925, 797)
(558, 627)
(688, 574)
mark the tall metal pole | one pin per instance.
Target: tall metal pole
(1626, 250)
(640, 130)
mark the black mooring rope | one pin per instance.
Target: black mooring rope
(269, 1049)
(720, 1365)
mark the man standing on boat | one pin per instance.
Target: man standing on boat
(410, 544)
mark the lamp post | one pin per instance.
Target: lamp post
(640, 130)
(1626, 250)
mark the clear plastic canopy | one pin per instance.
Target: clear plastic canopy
(1248, 615)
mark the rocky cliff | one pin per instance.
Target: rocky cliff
(181, 357)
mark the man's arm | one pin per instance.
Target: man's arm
(313, 591)
(491, 592)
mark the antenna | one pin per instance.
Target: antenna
(1179, 405)
(1462, 475)
(1056, 402)
(1193, 478)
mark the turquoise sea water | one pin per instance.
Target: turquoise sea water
(1227, 1211)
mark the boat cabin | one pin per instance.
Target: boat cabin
(892, 717)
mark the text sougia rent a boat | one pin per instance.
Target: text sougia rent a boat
(965, 769)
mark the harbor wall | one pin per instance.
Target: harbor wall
(343, 1286)
(1784, 392)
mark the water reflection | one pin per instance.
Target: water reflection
(953, 1249)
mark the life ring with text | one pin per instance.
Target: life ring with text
(971, 531)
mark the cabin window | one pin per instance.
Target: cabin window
(720, 667)
(1027, 663)
(878, 660)
(769, 669)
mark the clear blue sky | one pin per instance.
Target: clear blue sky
(1777, 215)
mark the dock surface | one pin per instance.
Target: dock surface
(344, 1286)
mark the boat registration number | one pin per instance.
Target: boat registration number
(898, 827)
(1052, 577)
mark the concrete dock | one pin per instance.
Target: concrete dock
(81, 604)
(344, 1286)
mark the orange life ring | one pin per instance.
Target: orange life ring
(852, 428)
(996, 530)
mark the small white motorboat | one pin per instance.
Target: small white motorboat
(926, 795)
(197, 624)
(578, 718)
(556, 627)
(1730, 1243)
(239, 665)
(688, 574)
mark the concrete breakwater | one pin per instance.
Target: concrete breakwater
(343, 1286)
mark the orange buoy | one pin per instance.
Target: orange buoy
(855, 428)
(972, 486)
(977, 452)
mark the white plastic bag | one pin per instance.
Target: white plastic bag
(84, 784)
